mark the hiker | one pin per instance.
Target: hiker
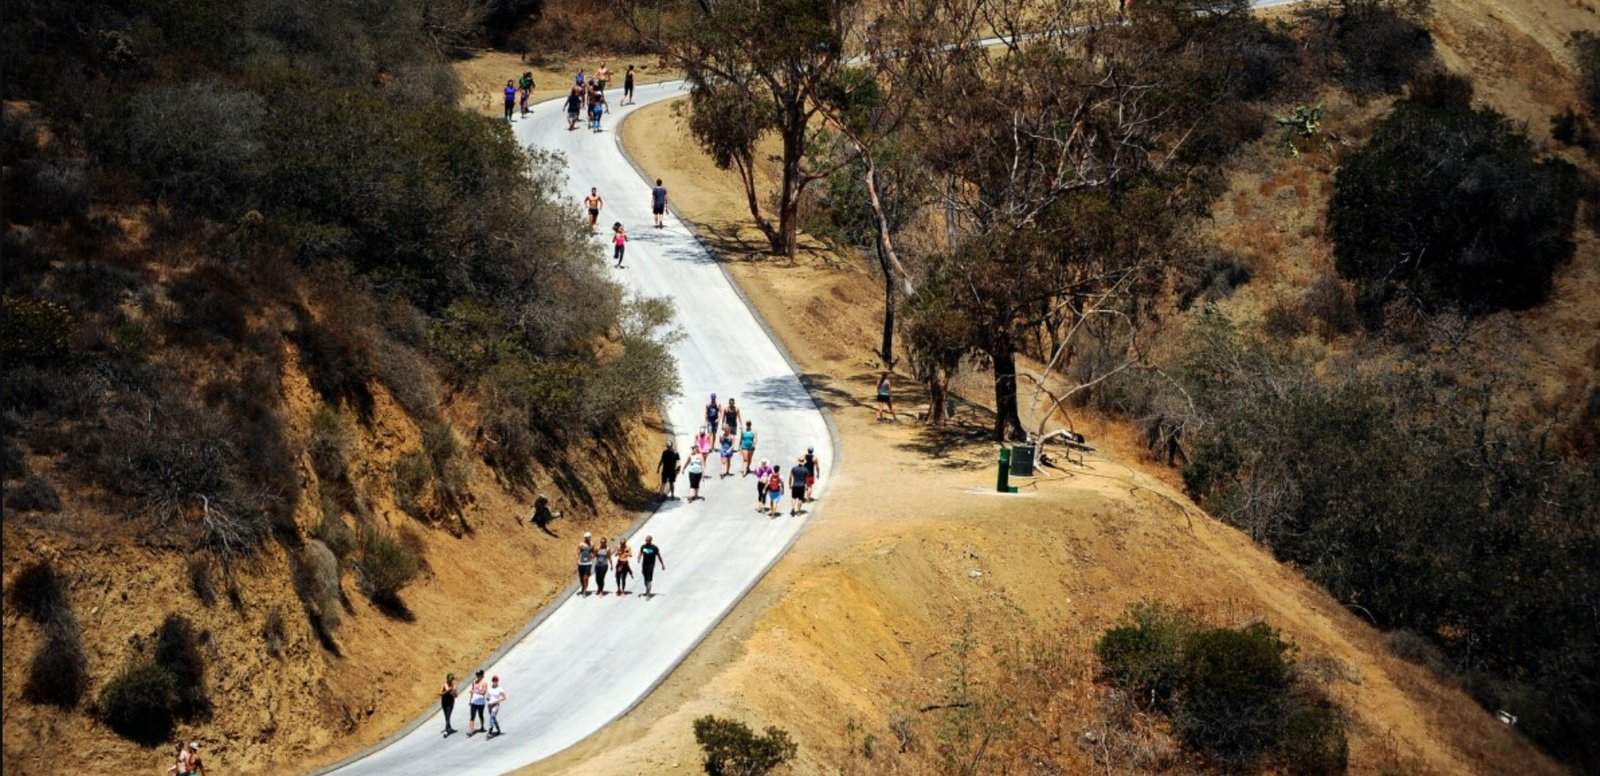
(658, 201)
(495, 697)
(602, 77)
(763, 472)
(725, 449)
(649, 556)
(886, 398)
(585, 562)
(511, 97)
(624, 570)
(813, 468)
(730, 417)
(747, 446)
(597, 108)
(668, 469)
(524, 86)
(627, 91)
(712, 413)
(542, 516)
(477, 696)
(593, 203)
(602, 565)
(774, 491)
(447, 701)
(619, 238)
(181, 767)
(579, 79)
(196, 766)
(702, 443)
(697, 469)
(574, 106)
(797, 485)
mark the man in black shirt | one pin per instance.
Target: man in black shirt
(797, 486)
(668, 468)
(649, 556)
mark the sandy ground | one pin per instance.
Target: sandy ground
(853, 628)
(483, 77)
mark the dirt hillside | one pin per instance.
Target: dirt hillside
(851, 635)
(307, 704)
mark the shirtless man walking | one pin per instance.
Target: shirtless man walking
(593, 203)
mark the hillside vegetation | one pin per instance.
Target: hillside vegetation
(282, 326)
(1340, 279)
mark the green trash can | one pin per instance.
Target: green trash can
(1022, 460)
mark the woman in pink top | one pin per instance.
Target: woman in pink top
(619, 238)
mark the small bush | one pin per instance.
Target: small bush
(1283, 321)
(329, 442)
(200, 580)
(1313, 741)
(50, 190)
(59, 672)
(38, 592)
(35, 494)
(733, 749)
(137, 703)
(272, 633)
(1586, 50)
(1233, 692)
(1330, 303)
(412, 473)
(177, 650)
(334, 533)
(193, 144)
(33, 330)
(1415, 649)
(1143, 655)
(386, 564)
(316, 580)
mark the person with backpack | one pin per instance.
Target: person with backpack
(524, 86)
(774, 492)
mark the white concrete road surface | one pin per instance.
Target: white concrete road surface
(595, 657)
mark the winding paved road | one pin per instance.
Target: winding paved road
(714, 551)
(593, 658)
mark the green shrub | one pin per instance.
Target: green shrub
(1144, 656)
(333, 532)
(412, 473)
(1448, 204)
(386, 564)
(1233, 697)
(1312, 741)
(732, 749)
(59, 672)
(177, 650)
(137, 702)
(194, 144)
(329, 440)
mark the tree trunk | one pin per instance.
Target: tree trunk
(794, 148)
(887, 348)
(938, 397)
(1007, 421)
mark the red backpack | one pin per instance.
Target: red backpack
(776, 482)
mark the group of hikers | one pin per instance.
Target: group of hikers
(587, 97)
(483, 704)
(594, 562)
(725, 433)
(189, 762)
(593, 203)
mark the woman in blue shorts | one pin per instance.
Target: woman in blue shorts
(747, 446)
